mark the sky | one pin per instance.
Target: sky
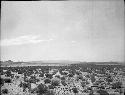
(88, 30)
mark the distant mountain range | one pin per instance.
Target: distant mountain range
(39, 63)
(54, 63)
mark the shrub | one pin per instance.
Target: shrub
(93, 78)
(21, 84)
(55, 82)
(8, 73)
(109, 79)
(63, 82)
(63, 78)
(83, 84)
(31, 80)
(116, 85)
(1, 82)
(50, 92)
(89, 88)
(6, 80)
(64, 73)
(24, 85)
(47, 80)
(78, 73)
(50, 86)
(80, 77)
(4, 91)
(75, 90)
(70, 75)
(102, 92)
(86, 90)
(57, 76)
(42, 89)
(48, 75)
(41, 75)
(20, 72)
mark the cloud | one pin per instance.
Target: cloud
(73, 41)
(28, 39)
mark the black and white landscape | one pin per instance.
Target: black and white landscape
(77, 78)
(62, 47)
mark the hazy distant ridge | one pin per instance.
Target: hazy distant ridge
(54, 62)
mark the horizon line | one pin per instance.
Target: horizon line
(60, 61)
